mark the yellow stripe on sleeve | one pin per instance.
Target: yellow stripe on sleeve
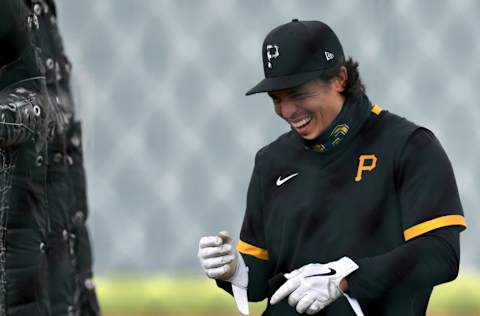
(252, 250)
(376, 109)
(425, 227)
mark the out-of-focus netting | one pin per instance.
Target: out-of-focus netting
(170, 137)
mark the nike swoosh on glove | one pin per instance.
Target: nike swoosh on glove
(314, 286)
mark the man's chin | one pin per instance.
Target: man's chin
(307, 137)
(306, 133)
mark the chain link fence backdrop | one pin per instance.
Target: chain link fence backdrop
(170, 137)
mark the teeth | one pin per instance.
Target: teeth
(302, 122)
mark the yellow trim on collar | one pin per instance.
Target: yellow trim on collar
(425, 227)
(376, 109)
(252, 250)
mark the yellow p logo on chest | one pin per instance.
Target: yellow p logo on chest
(365, 163)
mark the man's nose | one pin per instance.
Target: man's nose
(288, 109)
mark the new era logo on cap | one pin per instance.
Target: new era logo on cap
(329, 56)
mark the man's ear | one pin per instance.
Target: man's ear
(341, 80)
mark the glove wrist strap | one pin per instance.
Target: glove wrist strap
(240, 277)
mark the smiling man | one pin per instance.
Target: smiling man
(301, 107)
(354, 211)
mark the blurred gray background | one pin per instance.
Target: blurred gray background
(170, 137)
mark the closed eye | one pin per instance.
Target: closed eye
(298, 97)
(274, 98)
(301, 96)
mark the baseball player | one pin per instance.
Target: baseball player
(354, 211)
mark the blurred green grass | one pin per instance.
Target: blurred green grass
(196, 295)
(161, 295)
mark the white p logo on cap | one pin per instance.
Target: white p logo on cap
(272, 53)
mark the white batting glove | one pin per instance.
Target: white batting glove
(221, 261)
(314, 286)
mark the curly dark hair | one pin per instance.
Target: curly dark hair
(354, 85)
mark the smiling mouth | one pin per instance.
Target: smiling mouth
(302, 122)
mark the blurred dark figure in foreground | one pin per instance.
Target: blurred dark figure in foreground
(45, 253)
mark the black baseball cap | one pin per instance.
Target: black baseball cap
(297, 52)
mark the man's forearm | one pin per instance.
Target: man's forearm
(425, 261)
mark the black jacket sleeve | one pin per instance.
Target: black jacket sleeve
(423, 262)
(426, 186)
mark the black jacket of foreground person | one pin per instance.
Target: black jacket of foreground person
(45, 253)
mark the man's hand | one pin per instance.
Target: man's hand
(217, 256)
(221, 261)
(314, 286)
